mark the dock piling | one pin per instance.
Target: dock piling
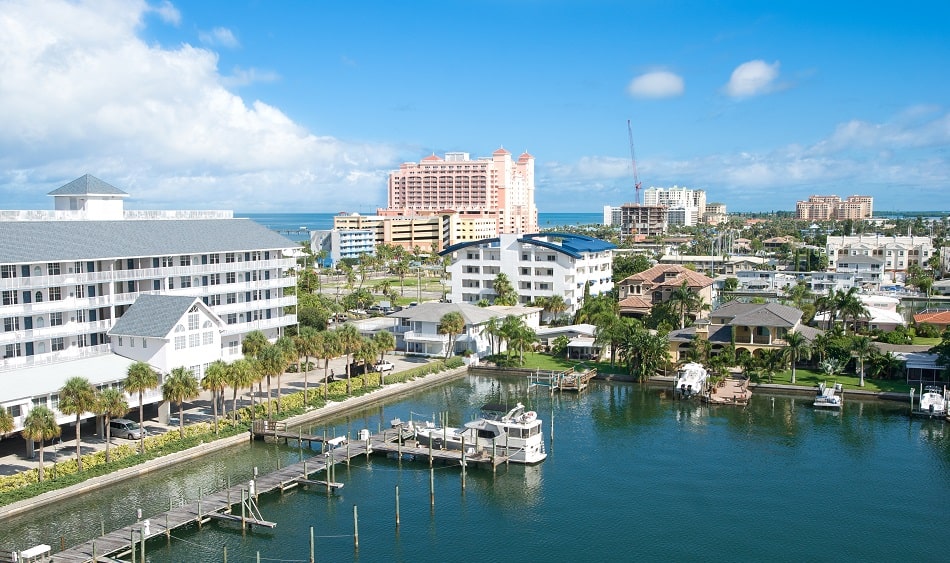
(311, 544)
(356, 530)
(431, 487)
(397, 507)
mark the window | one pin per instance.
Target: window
(212, 300)
(11, 323)
(56, 319)
(14, 410)
(185, 282)
(171, 283)
(10, 298)
(207, 338)
(144, 343)
(215, 278)
(184, 260)
(80, 291)
(229, 257)
(231, 298)
(55, 294)
(52, 268)
(233, 347)
(7, 271)
(214, 259)
(193, 321)
(120, 341)
(193, 340)
(230, 277)
(232, 318)
(179, 328)
(168, 261)
(179, 343)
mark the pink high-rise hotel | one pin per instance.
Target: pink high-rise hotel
(490, 196)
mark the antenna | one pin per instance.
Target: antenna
(633, 160)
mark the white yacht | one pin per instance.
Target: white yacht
(690, 380)
(829, 397)
(933, 402)
(513, 432)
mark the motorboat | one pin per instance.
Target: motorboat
(690, 380)
(933, 402)
(829, 397)
(512, 432)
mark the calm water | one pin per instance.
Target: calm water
(630, 475)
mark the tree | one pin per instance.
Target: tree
(491, 329)
(330, 349)
(290, 355)
(215, 380)
(385, 341)
(685, 301)
(179, 387)
(241, 373)
(518, 335)
(772, 362)
(625, 266)
(39, 426)
(505, 293)
(350, 341)
(400, 268)
(452, 324)
(140, 378)
(307, 342)
(862, 347)
(797, 348)
(610, 331)
(253, 343)
(6, 421)
(110, 403)
(271, 363)
(851, 307)
(77, 397)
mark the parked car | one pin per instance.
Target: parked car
(125, 428)
(384, 365)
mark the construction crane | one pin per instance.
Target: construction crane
(633, 159)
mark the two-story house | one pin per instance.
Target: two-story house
(640, 292)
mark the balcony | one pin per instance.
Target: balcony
(20, 362)
(416, 336)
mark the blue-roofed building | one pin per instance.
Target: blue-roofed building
(538, 265)
(69, 275)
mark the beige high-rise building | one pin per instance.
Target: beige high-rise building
(831, 207)
(494, 193)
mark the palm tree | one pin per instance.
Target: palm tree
(365, 353)
(253, 343)
(110, 403)
(383, 341)
(851, 307)
(307, 343)
(685, 301)
(862, 347)
(772, 361)
(6, 421)
(215, 380)
(288, 351)
(39, 426)
(241, 373)
(350, 341)
(797, 348)
(556, 305)
(829, 304)
(179, 387)
(451, 324)
(271, 362)
(611, 331)
(140, 378)
(491, 329)
(77, 397)
(332, 347)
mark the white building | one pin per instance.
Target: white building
(897, 252)
(538, 265)
(690, 205)
(68, 276)
(343, 243)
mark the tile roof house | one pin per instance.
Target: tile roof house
(939, 319)
(640, 292)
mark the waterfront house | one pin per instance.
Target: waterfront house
(639, 292)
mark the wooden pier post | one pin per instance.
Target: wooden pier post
(356, 530)
(95, 556)
(463, 463)
(199, 508)
(243, 508)
(430, 449)
(225, 554)
(311, 545)
(142, 544)
(397, 507)
(132, 544)
(431, 488)
(348, 449)
(168, 532)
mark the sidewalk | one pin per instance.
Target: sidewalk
(13, 457)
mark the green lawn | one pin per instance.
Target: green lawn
(809, 377)
(533, 360)
(921, 341)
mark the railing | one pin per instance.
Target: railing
(20, 362)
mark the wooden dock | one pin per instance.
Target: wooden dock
(567, 380)
(731, 391)
(237, 503)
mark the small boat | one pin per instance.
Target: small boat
(829, 397)
(512, 432)
(690, 381)
(933, 402)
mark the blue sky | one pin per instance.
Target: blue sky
(263, 106)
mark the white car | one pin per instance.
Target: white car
(383, 365)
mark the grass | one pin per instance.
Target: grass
(807, 377)
(535, 360)
(921, 341)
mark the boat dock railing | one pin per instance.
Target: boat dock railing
(567, 380)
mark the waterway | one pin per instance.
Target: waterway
(631, 474)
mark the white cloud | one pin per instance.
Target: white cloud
(167, 12)
(657, 84)
(82, 93)
(244, 76)
(219, 36)
(752, 79)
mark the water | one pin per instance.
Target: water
(631, 475)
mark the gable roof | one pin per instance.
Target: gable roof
(755, 314)
(432, 312)
(88, 185)
(155, 316)
(57, 241)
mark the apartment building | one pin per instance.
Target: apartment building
(496, 189)
(538, 265)
(68, 276)
(648, 220)
(686, 206)
(832, 207)
(425, 230)
(338, 244)
(896, 252)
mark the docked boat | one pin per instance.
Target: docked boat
(933, 402)
(829, 397)
(511, 432)
(690, 381)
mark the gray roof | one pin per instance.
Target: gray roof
(433, 312)
(153, 315)
(54, 241)
(87, 185)
(809, 332)
(860, 259)
(753, 314)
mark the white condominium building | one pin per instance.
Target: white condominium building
(68, 276)
(497, 189)
(896, 252)
(538, 265)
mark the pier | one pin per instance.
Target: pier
(237, 504)
(567, 380)
(730, 391)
